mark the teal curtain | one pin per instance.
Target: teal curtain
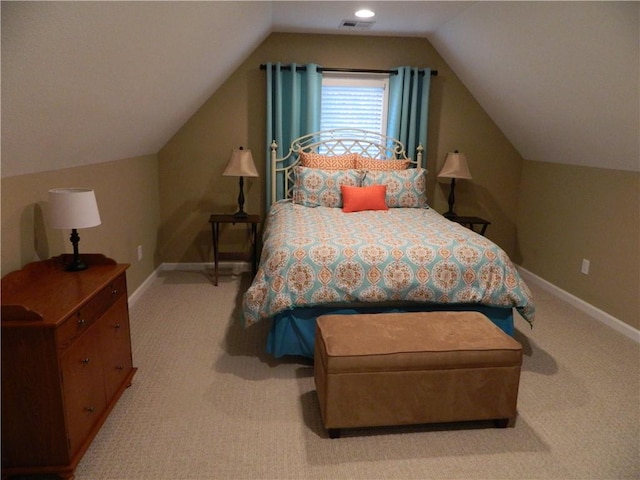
(293, 109)
(409, 108)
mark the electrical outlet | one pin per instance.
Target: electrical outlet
(585, 266)
(139, 252)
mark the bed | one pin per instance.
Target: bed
(349, 230)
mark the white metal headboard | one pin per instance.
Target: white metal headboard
(337, 141)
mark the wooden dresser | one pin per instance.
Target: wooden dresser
(66, 360)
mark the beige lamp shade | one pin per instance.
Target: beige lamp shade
(73, 208)
(455, 166)
(240, 164)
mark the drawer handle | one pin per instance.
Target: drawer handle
(81, 322)
(90, 409)
(117, 325)
(114, 291)
(119, 367)
(85, 361)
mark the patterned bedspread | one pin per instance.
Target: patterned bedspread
(319, 255)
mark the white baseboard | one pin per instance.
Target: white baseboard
(135, 296)
(600, 315)
(236, 268)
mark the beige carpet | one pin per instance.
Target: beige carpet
(206, 403)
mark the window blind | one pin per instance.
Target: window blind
(353, 107)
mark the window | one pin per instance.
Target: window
(355, 101)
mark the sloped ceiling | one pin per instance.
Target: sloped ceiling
(560, 79)
(89, 82)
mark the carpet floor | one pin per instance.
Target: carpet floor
(208, 403)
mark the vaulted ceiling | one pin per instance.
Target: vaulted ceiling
(89, 82)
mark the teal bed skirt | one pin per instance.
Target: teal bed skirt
(293, 332)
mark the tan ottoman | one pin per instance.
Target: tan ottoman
(411, 368)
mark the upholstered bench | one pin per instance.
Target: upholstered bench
(413, 368)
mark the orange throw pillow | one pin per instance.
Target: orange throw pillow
(357, 199)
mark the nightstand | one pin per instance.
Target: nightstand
(215, 221)
(471, 222)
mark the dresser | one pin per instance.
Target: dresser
(66, 360)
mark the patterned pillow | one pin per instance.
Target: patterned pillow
(328, 162)
(405, 188)
(367, 163)
(315, 187)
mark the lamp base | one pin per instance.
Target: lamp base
(451, 201)
(76, 266)
(241, 213)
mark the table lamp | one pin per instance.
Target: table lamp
(73, 208)
(240, 165)
(455, 166)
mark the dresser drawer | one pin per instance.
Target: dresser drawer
(83, 387)
(78, 322)
(115, 345)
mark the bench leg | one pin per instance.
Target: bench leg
(505, 422)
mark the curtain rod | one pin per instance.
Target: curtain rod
(434, 73)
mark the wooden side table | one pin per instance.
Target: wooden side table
(470, 222)
(215, 220)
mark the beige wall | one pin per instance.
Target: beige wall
(191, 164)
(568, 213)
(127, 196)
(564, 213)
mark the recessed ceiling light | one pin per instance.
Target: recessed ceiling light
(364, 13)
